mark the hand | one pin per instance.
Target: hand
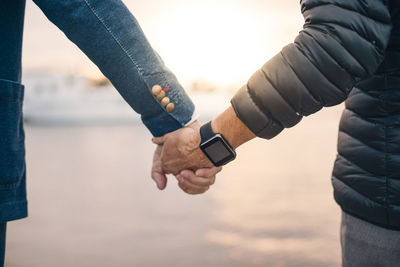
(181, 150)
(189, 182)
(157, 173)
(199, 182)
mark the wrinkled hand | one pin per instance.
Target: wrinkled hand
(181, 150)
(157, 173)
(199, 182)
(190, 182)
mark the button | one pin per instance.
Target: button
(156, 89)
(170, 107)
(165, 101)
(160, 95)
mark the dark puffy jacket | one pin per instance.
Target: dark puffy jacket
(348, 49)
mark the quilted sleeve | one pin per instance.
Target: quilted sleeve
(342, 42)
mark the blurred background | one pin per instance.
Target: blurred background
(91, 199)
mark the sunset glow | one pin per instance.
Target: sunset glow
(219, 43)
(215, 44)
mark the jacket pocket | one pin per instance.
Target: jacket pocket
(12, 137)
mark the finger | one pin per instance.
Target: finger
(157, 173)
(208, 172)
(200, 181)
(203, 181)
(160, 179)
(193, 187)
(158, 140)
(190, 191)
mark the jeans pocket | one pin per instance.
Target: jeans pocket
(12, 137)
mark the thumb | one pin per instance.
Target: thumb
(160, 179)
(157, 173)
(158, 140)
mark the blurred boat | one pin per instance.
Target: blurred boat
(55, 99)
(51, 99)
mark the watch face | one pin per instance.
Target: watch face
(218, 151)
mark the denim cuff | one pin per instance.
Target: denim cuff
(14, 210)
(162, 122)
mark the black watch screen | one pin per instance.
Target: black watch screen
(215, 146)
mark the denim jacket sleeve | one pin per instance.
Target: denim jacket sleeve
(110, 36)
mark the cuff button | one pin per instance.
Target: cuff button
(170, 107)
(156, 89)
(165, 101)
(160, 95)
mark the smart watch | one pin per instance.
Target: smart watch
(215, 146)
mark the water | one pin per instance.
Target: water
(92, 203)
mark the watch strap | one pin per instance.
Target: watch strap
(206, 132)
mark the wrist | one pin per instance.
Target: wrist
(232, 128)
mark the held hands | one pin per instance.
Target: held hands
(179, 153)
(181, 150)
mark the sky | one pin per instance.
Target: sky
(218, 42)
